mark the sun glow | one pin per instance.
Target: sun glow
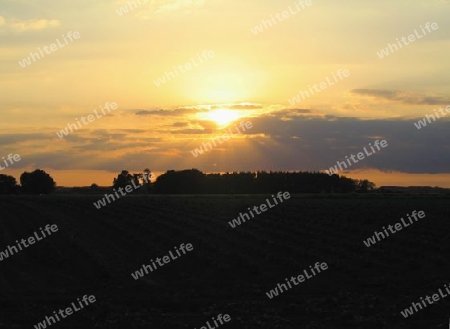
(222, 117)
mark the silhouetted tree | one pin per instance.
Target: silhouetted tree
(137, 178)
(123, 179)
(147, 176)
(8, 185)
(364, 185)
(37, 182)
(185, 181)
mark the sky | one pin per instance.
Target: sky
(315, 80)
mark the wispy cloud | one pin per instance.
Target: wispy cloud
(405, 97)
(243, 106)
(170, 113)
(32, 24)
(192, 131)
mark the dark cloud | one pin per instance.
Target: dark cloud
(317, 143)
(389, 94)
(6, 139)
(153, 112)
(287, 113)
(180, 124)
(304, 142)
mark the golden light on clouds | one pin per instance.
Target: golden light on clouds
(221, 117)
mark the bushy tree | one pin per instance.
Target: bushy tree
(147, 176)
(184, 181)
(37, 182)
(142, 180)
(8, 185)
(364, 185)
(123, 179)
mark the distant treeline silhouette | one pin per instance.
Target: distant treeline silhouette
(193, 181)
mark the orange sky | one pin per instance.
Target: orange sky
(221, 74)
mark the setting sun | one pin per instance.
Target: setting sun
(222, 117)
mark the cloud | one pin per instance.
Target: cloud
(153, 112)
(242, 106)
(198, 109)
(205, 124)
(289, 112)
(402, 96)
(246, 107)
(192, 131)
(6, 139)
(180, 124)
(170, 113)
(2, 20)
(33, 24)
(106, 132)
(307, 141)
(313, 143)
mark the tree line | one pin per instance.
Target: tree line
(193, 181)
